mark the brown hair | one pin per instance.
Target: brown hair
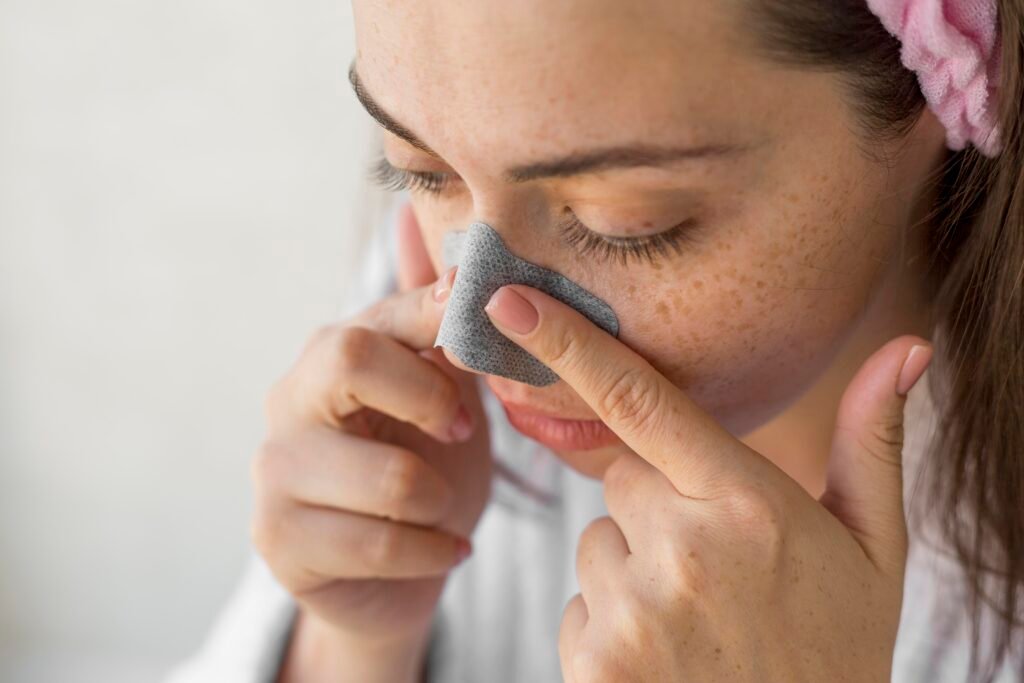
(975, 470)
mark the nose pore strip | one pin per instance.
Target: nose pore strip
(486, 265)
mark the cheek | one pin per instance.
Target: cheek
(435, 219)
(748, 324)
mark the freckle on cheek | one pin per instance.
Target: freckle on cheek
(664, 312)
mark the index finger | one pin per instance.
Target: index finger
(411, 317)
(652, 417)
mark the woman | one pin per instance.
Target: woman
(788, 206)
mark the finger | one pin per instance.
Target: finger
(600, 559)
(412, 317)
(312, 544)
(864, 479)
(574, 619)
(651, 416)
(383, 375)
(356, 368)
(414, 266)
(636, 496)
(326, 468)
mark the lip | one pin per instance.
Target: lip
(556, 433)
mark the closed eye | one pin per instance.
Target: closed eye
(648, 248)
(398, 179)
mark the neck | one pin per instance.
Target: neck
(799, 439)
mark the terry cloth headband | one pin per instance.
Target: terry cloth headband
(953, 46)
(485, 265)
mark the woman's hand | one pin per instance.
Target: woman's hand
(376, 467)
(714, 565)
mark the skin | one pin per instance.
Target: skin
(760, 427)
(795, 273)
(710, 550)
(369, 483)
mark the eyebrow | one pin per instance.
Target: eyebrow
(631, 156)
(381, 116)
(575, 164)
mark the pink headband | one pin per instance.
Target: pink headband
(953, 46)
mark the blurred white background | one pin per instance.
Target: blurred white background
(180, 189)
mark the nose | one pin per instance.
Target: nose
(454, 360)
(484, 266)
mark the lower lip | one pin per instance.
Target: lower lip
(561, 435)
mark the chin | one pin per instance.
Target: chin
(592, 463)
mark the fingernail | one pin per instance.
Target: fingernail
(463, 549)
(512, 311)
(443, 286)
(462, 426)
(913, 367)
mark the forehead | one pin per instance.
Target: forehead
(489, 74)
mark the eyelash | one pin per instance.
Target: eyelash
(396, 179)
(648, 248)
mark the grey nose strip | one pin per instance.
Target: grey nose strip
(485, 265)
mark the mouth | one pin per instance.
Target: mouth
(556, 433)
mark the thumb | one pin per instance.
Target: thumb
(414, 266)
(864, 480)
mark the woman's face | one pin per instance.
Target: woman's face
(583, 130)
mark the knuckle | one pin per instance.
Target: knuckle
(321, 335)
(355, 348)
(588, 547)
(631, 399)
(402, 473)
(636, 629)
(621, 474)
(562, 347)
(883, 440)
(274, 400)
(688, 578)
(270, 464)
(382, 546)
(373, 316)
(284, 395)
(591, 532)
(267, 524)
(265, 532)
(759, 517)
(442, 400)
(287, 389)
